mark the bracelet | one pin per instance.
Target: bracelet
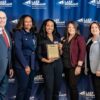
(79, 65)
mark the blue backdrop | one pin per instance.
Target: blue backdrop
(82, 11)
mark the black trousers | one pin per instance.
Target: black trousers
(53, 75)
(96, 86)
(72, 82)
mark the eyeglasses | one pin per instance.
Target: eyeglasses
(3, 18)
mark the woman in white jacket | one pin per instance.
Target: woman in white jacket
(93, 57)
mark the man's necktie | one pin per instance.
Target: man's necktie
(5, 39)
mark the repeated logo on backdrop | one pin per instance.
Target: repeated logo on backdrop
(68, 4)
(95, 3)
(35, 4)
(59, 22)
(62, 7)
(4, 4)
(85, 21)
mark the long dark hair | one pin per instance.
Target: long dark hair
(66, 34)
(20, 24)
(43, 32)
(90, 34)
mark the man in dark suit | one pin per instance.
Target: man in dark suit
(5, 56)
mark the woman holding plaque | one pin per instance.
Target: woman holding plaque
(51, 62)
(93, 57)
(73, 55)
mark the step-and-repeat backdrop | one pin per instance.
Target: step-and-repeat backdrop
(82, 11)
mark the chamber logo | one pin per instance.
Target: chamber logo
(4, 4)
(14, 21)
(32, 98)
(12, 80)
(59, 22)
(38, 79)
(62, 94)
(87, 94)
(68, 3)
(95, 3)
(35, 4)
(62, 2)
(85, 21)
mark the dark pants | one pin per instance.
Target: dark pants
(72, 82)
(53, 76)
(3, 87)
(96, 86)
(24, 83)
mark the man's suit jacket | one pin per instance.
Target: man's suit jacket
(5, 56)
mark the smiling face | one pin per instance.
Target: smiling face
(3, 19)
(71, 29)
(95, 29)
(27, 23)
(49, 27)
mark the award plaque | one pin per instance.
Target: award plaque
(52, 51)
